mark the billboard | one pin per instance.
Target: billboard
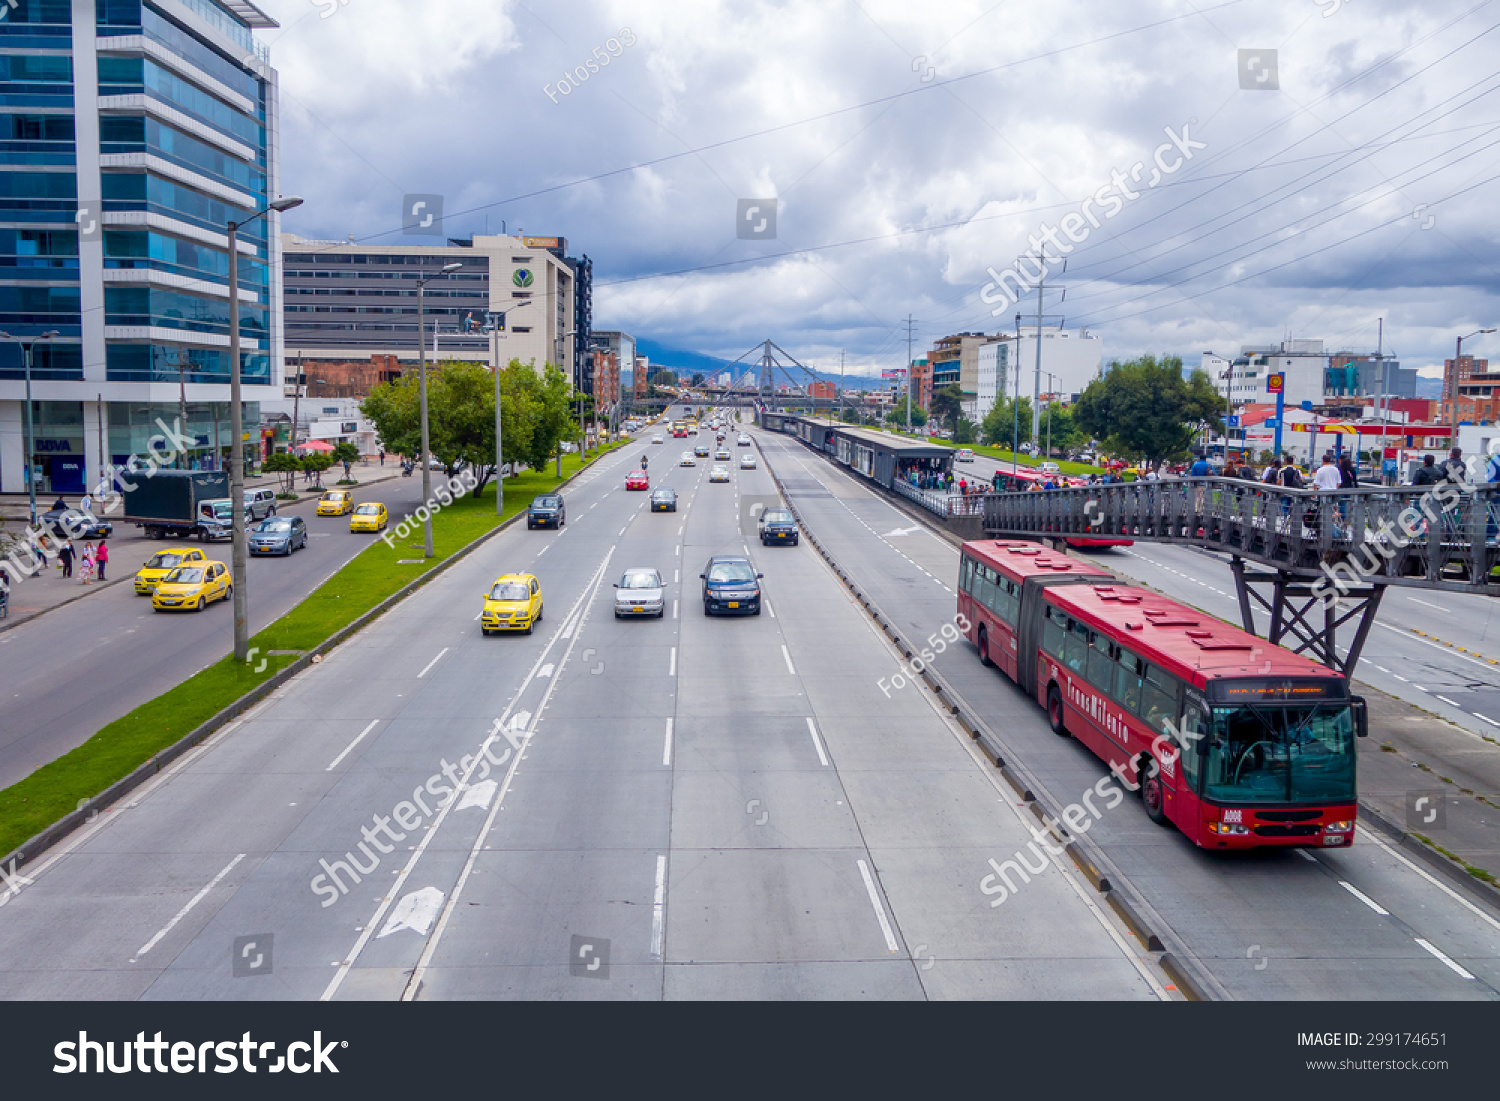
(542, 242)
(893, 372)
(1275, 383)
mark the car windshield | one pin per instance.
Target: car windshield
(641, 579)
(511, 590)
(185, 575)
(222, 510)
(165, 561)
(273, 526)
(547, 502)
(1281, 754)
(732, 572)
(367, 510)
(664, 495)
(335, 497)
(778, 516)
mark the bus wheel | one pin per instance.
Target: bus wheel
(1151, 794)
(1055, 712)
(984, 647)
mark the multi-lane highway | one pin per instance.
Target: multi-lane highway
(76, 669)
(675, 808)
(1366, 923)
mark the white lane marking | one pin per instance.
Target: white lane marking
(1445, 649)
(590, 588)
(547, 671)
(885, 925)
(674, 609)
(1366, 899)
(416, 912)
(1430, 878)
(351, 745)
(1446, 700)
(197, 898)
(677, 550)
(676, 577)
(414, 983)
(659, 909)
(1305, 855)
(479, 795)
(1462, 973)
(1400, 678)
(544, 550)
(1486, 718)
(571, 626)
(672, 668)
(770, 609)
(1425, 604)
(431, 663)
(666, 748)
(817, 742)
(1419, 688)
(789, 667)
(624, 529)
(680, 530)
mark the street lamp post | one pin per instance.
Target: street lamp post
(448, 269)
(26, 346)
(499, 420)
(237, 567)
(1451, 387)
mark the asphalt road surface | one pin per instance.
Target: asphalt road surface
(74, 670)
(679, 808)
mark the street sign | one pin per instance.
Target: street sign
(1275, 383)
(1234, 421)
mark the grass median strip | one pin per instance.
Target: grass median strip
(58, 788)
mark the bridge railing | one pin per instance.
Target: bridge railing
(1446, 535)
(933, 500)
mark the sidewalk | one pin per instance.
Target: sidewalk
(37, 596)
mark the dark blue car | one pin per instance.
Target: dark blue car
(547, 511)
(730, 586)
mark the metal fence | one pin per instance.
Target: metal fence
(933, 500)
(1442, 536)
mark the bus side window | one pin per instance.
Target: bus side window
(1159, 699)
(1052, 632)
(1127, 691)
(1101, 663)
(1011, 607)
(1076, 646)
(965, 575)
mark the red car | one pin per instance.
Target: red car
(637, 479)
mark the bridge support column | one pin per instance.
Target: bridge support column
(1292, 605)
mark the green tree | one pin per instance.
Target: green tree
(1145, 409)
(897, 416)
(1065, 431)
(1001, 421)
(314, 465)
(848, 416)
(284, 464)
(345, 452)
(947, 404)
(963, 431)
(664, 378)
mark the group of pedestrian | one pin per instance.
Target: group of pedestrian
(93, 561)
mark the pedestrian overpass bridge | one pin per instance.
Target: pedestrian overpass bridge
(1295, 553)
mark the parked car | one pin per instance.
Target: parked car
(74, 523)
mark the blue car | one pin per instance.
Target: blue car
(730, 586)
(546, 511)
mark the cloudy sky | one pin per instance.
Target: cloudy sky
(1345, 161)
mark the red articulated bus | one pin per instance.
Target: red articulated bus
(1236, 742)
(1023, 478)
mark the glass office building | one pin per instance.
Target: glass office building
(132, 132)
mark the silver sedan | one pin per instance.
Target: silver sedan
(641, 592)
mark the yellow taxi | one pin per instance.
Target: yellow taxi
(369, 517)
(163, 563)
(192, 588)
(336, 502)
(513, 603)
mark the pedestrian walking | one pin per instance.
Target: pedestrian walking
(1348, 477)
(1454, 468)
(1327, 476)
(65, 557)
(86, 565)
(87, 504)
(101, 557)
(1428, 473)
(382, 457)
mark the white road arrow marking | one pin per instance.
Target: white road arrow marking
(546, 671)
(899, 532)
(415, 912)
(478, 795)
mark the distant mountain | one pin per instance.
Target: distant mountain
(1430, 388)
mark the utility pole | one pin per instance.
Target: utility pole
(1015, 405)
(908, 373)
(296, 405)
(1036, 401)
(1383, 401)
(841, 384)
(182, 460)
